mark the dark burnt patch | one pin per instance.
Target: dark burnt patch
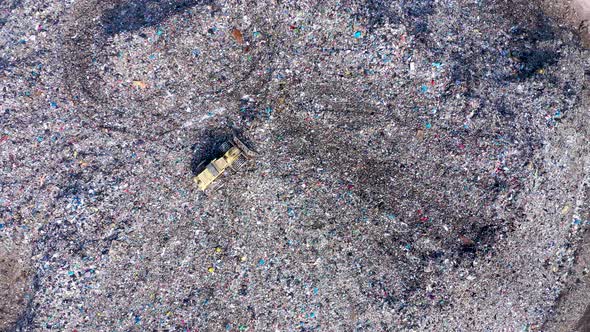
(130, 16)
(531, 61)
(379, 12)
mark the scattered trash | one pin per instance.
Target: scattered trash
(365, 112)
(420, 134)
(139, 84)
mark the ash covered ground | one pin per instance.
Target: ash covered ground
(422, 165)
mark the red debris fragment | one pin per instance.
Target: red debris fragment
(238, 36)
(466, 241)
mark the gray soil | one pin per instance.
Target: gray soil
(14, 281)
(572, 309)
(423, 165)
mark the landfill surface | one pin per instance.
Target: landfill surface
(423, 165)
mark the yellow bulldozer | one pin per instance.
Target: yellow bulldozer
(235, 155)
